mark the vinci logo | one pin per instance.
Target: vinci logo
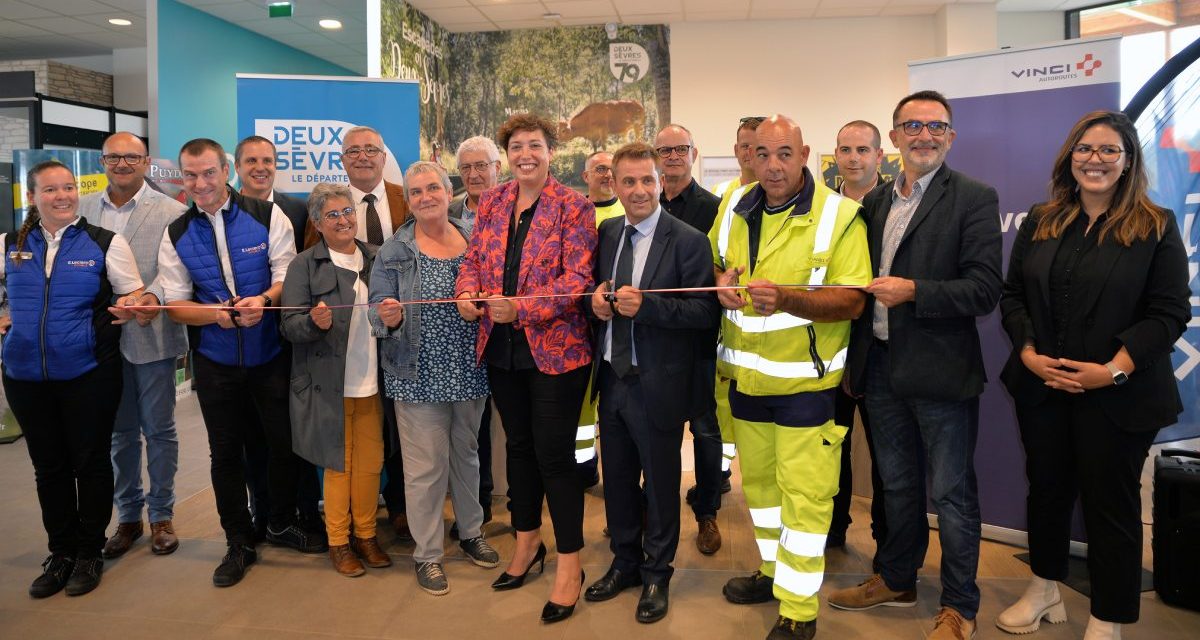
(258, 248)
(1088, 66)
(81, 263)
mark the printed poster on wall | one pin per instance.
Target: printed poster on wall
(307, 117)
(1013, 109)
(602, 86)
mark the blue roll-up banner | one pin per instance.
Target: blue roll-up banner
(1013, 109)
(1169, 130)
(307, 117)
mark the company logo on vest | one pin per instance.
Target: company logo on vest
(258, 248)
(81, 263)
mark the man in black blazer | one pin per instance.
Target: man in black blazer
(254, 161)
(935, 251)
(644, 348)
(685, 199)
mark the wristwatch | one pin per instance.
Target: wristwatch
(1119, 377)
(267, 299)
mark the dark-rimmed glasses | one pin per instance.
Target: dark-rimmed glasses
(937, 128)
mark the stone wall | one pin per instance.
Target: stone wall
(82, 85)
(14, 134)
(58, 80)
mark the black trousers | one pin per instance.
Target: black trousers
(540, 413)
(393, 465)
(635, 447)
(486, 484)
(843, 414)
(1073, 449)
(68, 427)
(240, 404)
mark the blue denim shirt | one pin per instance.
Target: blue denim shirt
(395, 275)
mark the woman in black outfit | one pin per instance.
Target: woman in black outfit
(1097, 294)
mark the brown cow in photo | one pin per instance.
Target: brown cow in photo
(599, 120)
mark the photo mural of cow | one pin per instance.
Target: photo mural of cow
(599, 121)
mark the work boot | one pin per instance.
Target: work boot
(752, 589)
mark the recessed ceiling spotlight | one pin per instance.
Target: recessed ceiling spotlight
(329, 23)
(120, 22)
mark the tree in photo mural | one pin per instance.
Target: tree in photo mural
(602, 86)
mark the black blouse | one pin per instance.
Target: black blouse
(507, 347)
(1071, 276)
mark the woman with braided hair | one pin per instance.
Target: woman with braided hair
(62, 369)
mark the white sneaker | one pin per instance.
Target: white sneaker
(1100, 630)
(1041, 600)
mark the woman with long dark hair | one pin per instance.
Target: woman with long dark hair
(534, 236)
(62, 368)
(1097, 293)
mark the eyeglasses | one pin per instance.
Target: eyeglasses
(113, 159)
(679, 150)
(333, 215)
(1106, 152)
(603, 169)
(913, 128)
(476, 167)
(356, 152)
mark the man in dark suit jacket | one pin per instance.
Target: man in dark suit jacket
(645, 356)
(685, 199)
(254, 161)
(935, 250)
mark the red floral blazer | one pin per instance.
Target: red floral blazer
(557, 257)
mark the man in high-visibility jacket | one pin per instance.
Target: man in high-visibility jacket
(784, 350)
(743, 150)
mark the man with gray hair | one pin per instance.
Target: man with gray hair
(139, 213)
(478, 161)
(379, 205)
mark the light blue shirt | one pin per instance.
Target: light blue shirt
(900, 214)
(642, 239)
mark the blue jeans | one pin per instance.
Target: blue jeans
(147, 408)
(911, 435)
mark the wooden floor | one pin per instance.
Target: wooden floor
(289, 595)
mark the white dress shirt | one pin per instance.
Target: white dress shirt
(113, 217)
(381, 207)
(176, 280)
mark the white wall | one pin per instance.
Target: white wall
(1025, 28)
(129, 79)
(823, 73)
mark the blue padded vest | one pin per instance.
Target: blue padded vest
(61, 325)
(247, 231)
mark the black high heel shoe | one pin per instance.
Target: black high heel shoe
(553, 612)
(507, 581)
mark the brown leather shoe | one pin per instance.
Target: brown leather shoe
(950, 625)
(871, 593)
(122, 539)
(708, 540)
(370, 552)
(345, 562)
(162, 538)
(400, 526)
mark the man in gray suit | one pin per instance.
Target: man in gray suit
(149, 347)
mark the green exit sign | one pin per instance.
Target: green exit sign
(279, 10)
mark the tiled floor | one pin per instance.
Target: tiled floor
(288, 595)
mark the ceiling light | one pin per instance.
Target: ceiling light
(120, 22)
(329, 23)
(551, 16)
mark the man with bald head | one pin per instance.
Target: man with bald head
(149, 347)
(801, 252)
(598, 176)
(685, 199)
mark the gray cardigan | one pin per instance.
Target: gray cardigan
(319, 356)
(162, 338)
